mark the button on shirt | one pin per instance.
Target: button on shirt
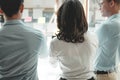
(19, 49)
(108, 53)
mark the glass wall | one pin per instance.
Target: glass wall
(94, 14)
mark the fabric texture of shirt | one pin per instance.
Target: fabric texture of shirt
(75, 59)
(20, 46)
(108, 53)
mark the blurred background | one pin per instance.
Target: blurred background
(41, 14)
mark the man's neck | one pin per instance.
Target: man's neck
(113, 13)
(14, 17)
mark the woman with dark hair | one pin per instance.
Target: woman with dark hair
(74, 47)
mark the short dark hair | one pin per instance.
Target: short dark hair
(117, 1)
(71, 22)
(10, 7)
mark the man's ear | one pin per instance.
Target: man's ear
(1, 11)
(112, 3)
(21, 8)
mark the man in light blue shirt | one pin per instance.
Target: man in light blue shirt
(108, 53)
(20, 45)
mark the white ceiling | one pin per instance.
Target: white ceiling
(39, 3)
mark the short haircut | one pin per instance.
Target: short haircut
(71, 22)
(10, 7)
(116, 1)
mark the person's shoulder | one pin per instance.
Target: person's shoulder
(91, 37)
(110, 25)
(105, 24)
(115, 22)
(32, 30)
(30, 33)
(54, 40)
(111, 22)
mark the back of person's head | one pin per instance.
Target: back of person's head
(71, 22)
(10, 7)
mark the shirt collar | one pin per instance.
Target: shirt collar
(114, 16)
(10, 22)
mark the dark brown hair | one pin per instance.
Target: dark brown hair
(10, 7)
(71, 22)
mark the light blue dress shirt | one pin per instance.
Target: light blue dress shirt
(20, 46)
(108, 53)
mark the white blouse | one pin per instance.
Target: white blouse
(75, 59)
